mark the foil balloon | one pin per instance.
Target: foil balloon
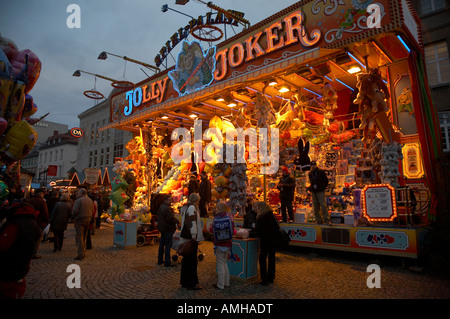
(33, 69)
(19, 140)
(29, 108)
(4, 191)
(9, 47)
(6, 82)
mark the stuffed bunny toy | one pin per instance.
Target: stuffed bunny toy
(303, 161)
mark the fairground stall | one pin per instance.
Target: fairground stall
(339, 82)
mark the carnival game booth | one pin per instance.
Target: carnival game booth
(340, 82)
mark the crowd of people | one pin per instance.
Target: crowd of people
(25, 221)
(28, 219)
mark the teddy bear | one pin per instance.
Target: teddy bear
(371, 98)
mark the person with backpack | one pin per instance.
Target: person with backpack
(266, 230)
(222, 229)
(191, 228)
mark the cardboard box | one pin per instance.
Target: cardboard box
(349, 219)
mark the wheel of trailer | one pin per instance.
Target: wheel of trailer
(156, 240)
(140, 240)
(174, 257)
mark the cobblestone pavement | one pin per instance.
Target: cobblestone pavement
(109, 272)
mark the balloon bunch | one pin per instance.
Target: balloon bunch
(19, 71)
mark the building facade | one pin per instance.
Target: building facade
(56, 157)
(435, 18)
(98, 148)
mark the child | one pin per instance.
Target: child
(222, 247)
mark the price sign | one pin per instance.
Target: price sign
(379, 203)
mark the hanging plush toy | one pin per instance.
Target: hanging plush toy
(371, 98)
(303, 162)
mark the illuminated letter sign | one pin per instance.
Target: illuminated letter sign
(76, 132)
(144, 94)
(288, 31)
(194, 69)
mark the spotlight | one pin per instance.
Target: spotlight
(284, 88)
(354, 69)
(272, 82)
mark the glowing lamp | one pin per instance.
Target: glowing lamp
(354, 69)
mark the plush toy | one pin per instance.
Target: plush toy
(238, 188)
(303, 161)
(329, 101)
(391, 155)
(264, 113)
(284, 121)
(372, 105)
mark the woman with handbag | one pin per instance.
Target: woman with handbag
(191, 230)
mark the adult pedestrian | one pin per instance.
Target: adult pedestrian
(18, 237)
(266, 229)
(167, 224)
(193, 185)
(222, 248)
(191, 220)
(39, 204)
(287, 191)
(319, 182)
(250, 214)
(52, 200)
(82, 212)
(205, 194)
(59, 218)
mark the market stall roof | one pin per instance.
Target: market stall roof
(304, 69)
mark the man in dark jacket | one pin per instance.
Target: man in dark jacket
(287, 191)
(18, 237)
(319, 182)
(40, 205)
(193, 185)
(167, 226)
(205, 194)
(266, 230)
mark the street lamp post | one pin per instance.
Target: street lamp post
(104, 55)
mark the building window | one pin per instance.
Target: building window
(438, 65)
(444, 121)
(429, 6)
(90, 159)
(118, 143)
(107, 156)
(101, 156)
(95, 158)
(61, 156)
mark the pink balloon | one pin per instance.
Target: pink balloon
(9, 47)
(34, 67)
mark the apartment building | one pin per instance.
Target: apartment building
(97, 149)
(435, 18)
(56, 157)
